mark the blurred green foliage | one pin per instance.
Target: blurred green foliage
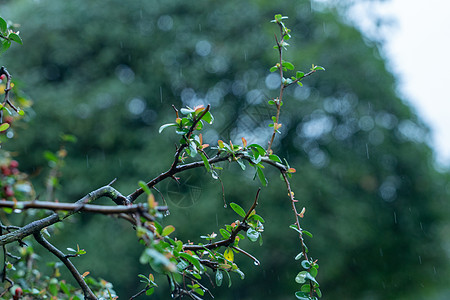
(107, 72)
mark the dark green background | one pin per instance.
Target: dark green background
(108, 72)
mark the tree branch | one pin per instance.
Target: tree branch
(88, 294)
(38, 225)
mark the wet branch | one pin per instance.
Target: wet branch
(88, 294)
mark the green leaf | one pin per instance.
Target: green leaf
(261, 176)
(158, 227)
(167, 125)
(193, 149)
(275, 158)
(186, 111)
(16, 38)
(319, 68)
(3, 26)
(241, 164)
(229, 279)
(293, 226)
(307, 233)
(299, 74)
(64, 288)
(288, 65)
(205, 161)
(305, 288)
(273, 69)
(313, 271)
(50, 156)
(208, 118)
(271, 102)
(299, 256)
(144, 187)
(256, 217)
(301, 277)
(219, 278)
(260, 149)
(150, 291)
(302, 296)
(318, 292)
(194, 261)
(252, 234)
(5, 45)
(224, 233)
(237, 209)
(168, 230)
(4, 126)
(305, 264)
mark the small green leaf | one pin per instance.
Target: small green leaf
(158, 227)
(252, 234)
(194, 261)
(273, 69)
(50, 156)
(150, 291)
(205, 162)
(208, 118)
(305, 288)
(167, 125)
(219, 278)
(318, 292)
(305, 264)
(293, 226)
(288, 65)
(4, 126)
(237, 209)
(301, 277)
(5, 45)
(307, 233)
(16, 38)
(313, 271)
(256, 217)
(302, 296)
(241, 164)
(300, 255)
(261, 176)
(186, 111)
(144, 187)
(271, 102)
(258, 148)
(319, 68)
(3, 26)
(275, 158)
(168, 230)
(299, 74)
(64, 288)
(224, 233)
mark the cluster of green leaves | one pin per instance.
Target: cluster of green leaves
(185, 266)
(34, 283)
(8, 35)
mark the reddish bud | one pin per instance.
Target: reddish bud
(2, 77)
(14, 164)
(5, 170)
(8, 191)
(17, 293)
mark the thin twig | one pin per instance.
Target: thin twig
(247, 254)
(88, 294)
